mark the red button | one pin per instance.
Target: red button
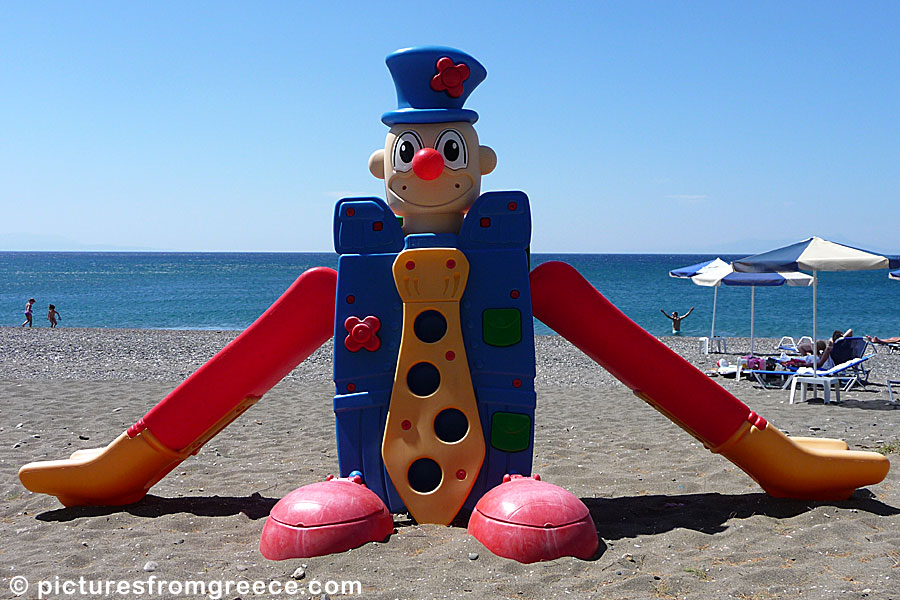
(361, 333)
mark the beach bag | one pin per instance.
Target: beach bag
(755, 362)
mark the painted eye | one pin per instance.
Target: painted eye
(405, 147)
(452, 147)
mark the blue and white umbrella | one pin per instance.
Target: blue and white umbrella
(895, 274)
(716, 272)
(815, 254)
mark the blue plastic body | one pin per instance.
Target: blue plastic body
(494, 237)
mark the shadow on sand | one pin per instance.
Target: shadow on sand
(631, 516)
(254, 507)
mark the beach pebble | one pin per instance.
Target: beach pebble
(473, 556)
(299, 573)
(150, 566)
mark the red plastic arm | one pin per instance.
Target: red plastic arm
(569, 305)
(300, 321)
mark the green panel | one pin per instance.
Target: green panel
(510, 432)
(501, 326)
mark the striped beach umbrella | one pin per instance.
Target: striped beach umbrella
(815, 254)
(717, 272)
(755, 280)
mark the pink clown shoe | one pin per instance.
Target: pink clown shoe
(529, 520)
(323, 518)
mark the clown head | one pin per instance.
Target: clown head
(432, 162)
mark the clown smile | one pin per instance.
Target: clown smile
(444, 189)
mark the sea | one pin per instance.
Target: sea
(228, 291)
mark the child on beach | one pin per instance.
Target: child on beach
(52, 316)
(28, 306)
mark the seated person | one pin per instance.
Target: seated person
(806, 347)
(823, 358)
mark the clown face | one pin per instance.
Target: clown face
(432, 173)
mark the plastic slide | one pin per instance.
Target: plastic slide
(803, 468)
(300, 321)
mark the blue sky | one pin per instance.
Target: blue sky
(632, 126)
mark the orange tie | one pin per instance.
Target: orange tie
(433, 444)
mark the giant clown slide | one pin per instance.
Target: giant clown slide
(303, 319)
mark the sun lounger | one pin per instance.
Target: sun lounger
(849, 348)
(787, 344)
(842, 377)
(778, 379)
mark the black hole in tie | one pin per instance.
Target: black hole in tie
(451, 425)
(430, 326)
(423, 379)
(424, 475)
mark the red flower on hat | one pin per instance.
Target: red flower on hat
(450, 77)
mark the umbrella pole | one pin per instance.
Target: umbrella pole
(815, 309)
(752, 314)
(712, 333)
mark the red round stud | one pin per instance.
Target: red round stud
(405, 425)
(351, 387)
(461, 474)
(410, 265)
(514, 294)
(351, 299)
(450, 355)
(350, 211)
(451, 264)
(517, 383)
(512, 206)
(377, 226)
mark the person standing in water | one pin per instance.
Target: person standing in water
(28, 306)
(52, 315)
(676, 320)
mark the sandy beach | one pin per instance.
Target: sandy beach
(675, 521)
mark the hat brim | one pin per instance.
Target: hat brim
(429, 115)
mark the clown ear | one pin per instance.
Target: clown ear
(376, 163)
(487, 159)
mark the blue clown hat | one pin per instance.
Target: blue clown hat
(432, 84)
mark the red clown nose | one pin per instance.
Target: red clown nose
(428, 164)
